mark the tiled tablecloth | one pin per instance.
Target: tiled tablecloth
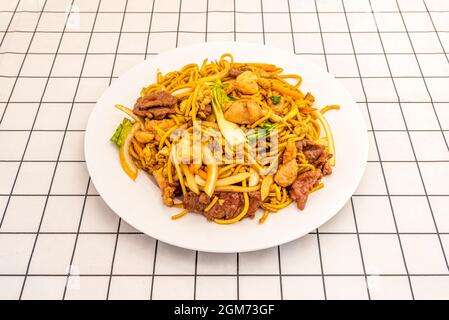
(391, 240)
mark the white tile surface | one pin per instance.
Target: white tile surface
(434, 176)
(62, 214)
(430, 288)
(34, 178)
(349, 287)
(301, 256)
(13, 144)
(44, 288)
(373, 214)
(216, 288)
(23, 214)
(10, 287)
(14, 259)
(214, 263)
(52, 254)
(98, 217)
(130, 288)
(423, 254)
(173, 260)
(173, 288)
(134, 254)
(260, 287)
(403, 178)
(382, 254)
(259, 262)
(93, 254)
(389, 288)
(87, 288)
(303, 288)
(413, 214)
(340, 254)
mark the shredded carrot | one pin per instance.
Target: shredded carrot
(288, 92)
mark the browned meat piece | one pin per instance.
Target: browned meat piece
(231, 206)
(155, 105)
(160, 113)
(204, 113)
(302, 186)
(196, 203)
(315, 154)
(309, 97)
(254, 203)
(235, 72)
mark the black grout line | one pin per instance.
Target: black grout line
(120, 219)
(291, 26)
(89, 180)
(207, 20)
(196, 276)
(360, 248)
(317, 231)
(411, 142)
(263, 22)
(337, 77)
(179, 22)
(26, 147)
(425, 83)
(35, 117)
(380, 233)
(238, 275)
(230, 11)
(436, 32)
(381, 165)
(314, 275)
(233, 275)
(222, 32)
(21, 67)
(126, 53)
(149, 30)
(154, 266)
(235, 22)
(9, 23)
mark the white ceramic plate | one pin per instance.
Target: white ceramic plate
(139, 203)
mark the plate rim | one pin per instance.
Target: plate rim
(244, 249)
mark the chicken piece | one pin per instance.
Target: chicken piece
(286, 173)
(247, 83)
(241, 112)
(168, 190)
(164, 124)
(290, 151)
(144, 136)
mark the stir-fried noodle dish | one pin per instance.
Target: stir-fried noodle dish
(225, 138)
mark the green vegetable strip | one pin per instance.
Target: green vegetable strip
(275, 99)
(121, 132)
